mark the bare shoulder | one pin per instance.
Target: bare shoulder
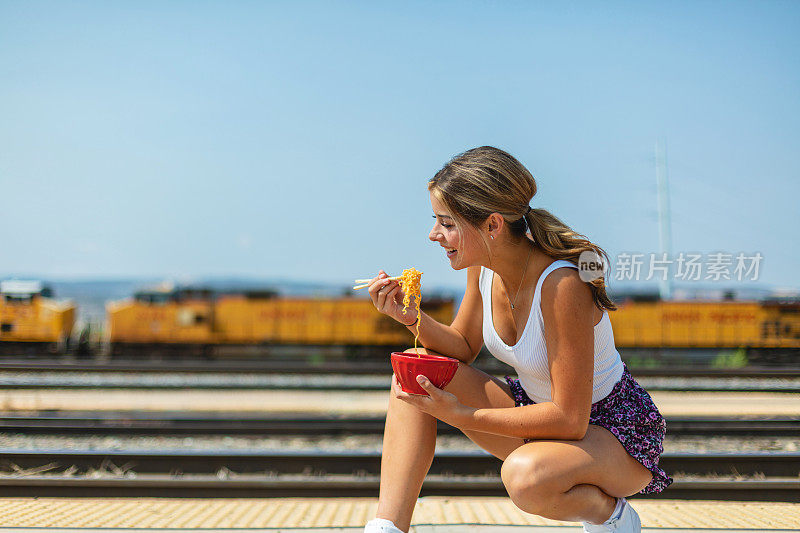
(473, 276)
(471, 303)
(565, 293)
(473, 284)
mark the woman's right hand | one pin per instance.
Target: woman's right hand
(388, 298)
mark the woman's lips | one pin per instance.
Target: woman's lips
(451, 253)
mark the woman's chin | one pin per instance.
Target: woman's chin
(456, 265)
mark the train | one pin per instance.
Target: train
(766, 331)
(199, 322)
(208, 324)
(32, 320)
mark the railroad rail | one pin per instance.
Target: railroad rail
(728, 476)
(337, 382)
(183, 423)
(351, 368)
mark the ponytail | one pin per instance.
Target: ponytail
(557, 240)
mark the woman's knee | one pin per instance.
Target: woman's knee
(530, 480)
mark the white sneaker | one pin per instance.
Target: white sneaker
(628, 522)
(381, 525)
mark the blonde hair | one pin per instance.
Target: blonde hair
(486, 180)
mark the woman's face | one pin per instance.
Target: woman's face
(461, 250)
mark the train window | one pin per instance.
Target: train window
(152, 297)
(14, 299)
(6, 327)
(182, 295)
(264, 294)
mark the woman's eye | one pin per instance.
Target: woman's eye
(446, 226)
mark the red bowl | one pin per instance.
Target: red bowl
(407, 366)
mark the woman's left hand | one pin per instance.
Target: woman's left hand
(439, 403)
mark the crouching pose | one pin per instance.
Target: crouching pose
(576, 433)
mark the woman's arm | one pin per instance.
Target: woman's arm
(567, 307)
(463, 339)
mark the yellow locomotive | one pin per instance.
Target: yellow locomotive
(31, 321)
(199, 322)
(768, 324)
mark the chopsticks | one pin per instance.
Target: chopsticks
(364, 283)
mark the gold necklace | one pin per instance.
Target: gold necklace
(522, 280)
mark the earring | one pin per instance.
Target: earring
(492, 237)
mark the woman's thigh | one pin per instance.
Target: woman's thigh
(478, 389)
(555, 466)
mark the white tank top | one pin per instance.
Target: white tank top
(529, 355)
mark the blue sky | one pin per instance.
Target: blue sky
(294, 139)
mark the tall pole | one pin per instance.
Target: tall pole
(664, 223)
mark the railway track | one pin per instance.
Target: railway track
(184, 423)
(349, 368)
(343, 383)
(753, 476)
(336, 379)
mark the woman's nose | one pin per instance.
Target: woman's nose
(433, 235)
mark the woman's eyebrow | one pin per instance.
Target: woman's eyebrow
(443, 216)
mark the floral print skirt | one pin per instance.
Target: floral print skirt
(630, 414)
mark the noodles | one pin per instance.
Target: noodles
(410, 284)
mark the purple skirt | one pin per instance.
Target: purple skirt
(629, 413)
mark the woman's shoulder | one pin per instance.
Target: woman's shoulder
(563, 291)
(475, 275)
(478, 279)
(560, 263)
(560, 276)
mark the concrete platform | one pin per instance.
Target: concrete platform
(348, 515)
(357, 402)
(472, 528)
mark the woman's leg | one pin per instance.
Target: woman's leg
(409, 440)
(574, 480)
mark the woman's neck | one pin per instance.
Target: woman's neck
(510, 264)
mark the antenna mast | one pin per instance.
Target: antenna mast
(664, 223)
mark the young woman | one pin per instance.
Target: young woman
(575, 432)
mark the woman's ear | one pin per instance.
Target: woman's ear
(495, 223)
